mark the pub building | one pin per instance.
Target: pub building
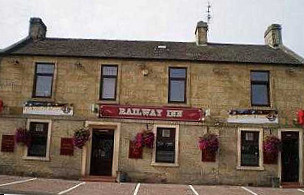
(152, 111)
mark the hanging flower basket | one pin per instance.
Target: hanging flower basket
(271, 147)
(209, 145)
(23, 136)
(145, 138)
(81, 136)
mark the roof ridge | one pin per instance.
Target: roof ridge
(151, 41)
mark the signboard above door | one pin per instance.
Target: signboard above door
(151, 113)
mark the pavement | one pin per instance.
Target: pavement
(41, 186)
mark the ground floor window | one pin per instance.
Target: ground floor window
(166, 145)
(250, 148)
(40, 139)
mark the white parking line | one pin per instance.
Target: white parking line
(16, 182)
(136, 189)
(70, 189)
(193, 190)
(300, 190)
(249, 191)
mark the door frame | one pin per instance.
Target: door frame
(300, 153)
(87, 149)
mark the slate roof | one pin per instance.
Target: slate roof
(189, 51)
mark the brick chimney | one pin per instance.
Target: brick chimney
(37, 29)
(201, 33)
(273, 36)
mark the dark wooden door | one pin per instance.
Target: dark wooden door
(290, 156)
(102, 152)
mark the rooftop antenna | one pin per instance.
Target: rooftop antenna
(208, 12)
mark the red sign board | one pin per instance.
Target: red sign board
(135, 152)
(151, 113)
(67, 146)
(8, 143)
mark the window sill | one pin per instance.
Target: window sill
(250, 168)
(36, 158)
(107, 102)
(164, 164)
(40, 99)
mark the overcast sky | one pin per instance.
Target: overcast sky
(233, 21)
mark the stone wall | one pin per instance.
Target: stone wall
(218, 87)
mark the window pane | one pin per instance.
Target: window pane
(259, 94)
(44, 86)
(165, 145)
(259, 76)
(177, 91)
(108, 88)
(178, 72)
(109, 70)
(249, 148)
(38, 143)
(45, 68)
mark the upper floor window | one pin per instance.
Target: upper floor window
(177, 85)
(108, 82)
(259, 88)
(43, 83)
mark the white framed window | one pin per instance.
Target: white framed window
(39, 147)
(250, 148)
(165, 151)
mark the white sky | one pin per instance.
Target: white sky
(234, 21)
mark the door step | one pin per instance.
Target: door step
(291, 185)
(99, 179)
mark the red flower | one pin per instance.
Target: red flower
(81, 136)
(209, 142)
(272, 145)
(144, 139)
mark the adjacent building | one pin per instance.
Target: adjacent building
(178, 90)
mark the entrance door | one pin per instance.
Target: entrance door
(290, 156)
(102, 152)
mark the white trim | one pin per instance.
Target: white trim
(300, 153)
(47, 156)
(260, 167)
(86, 150)
(175, 164)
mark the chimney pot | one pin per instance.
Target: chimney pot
(273, 36)
(37, 29)
(201, 33)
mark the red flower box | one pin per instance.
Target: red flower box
(134, 151)
(270, 159)
(208, 156)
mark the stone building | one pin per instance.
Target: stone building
(178, 90)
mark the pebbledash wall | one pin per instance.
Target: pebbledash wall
(215, 87)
